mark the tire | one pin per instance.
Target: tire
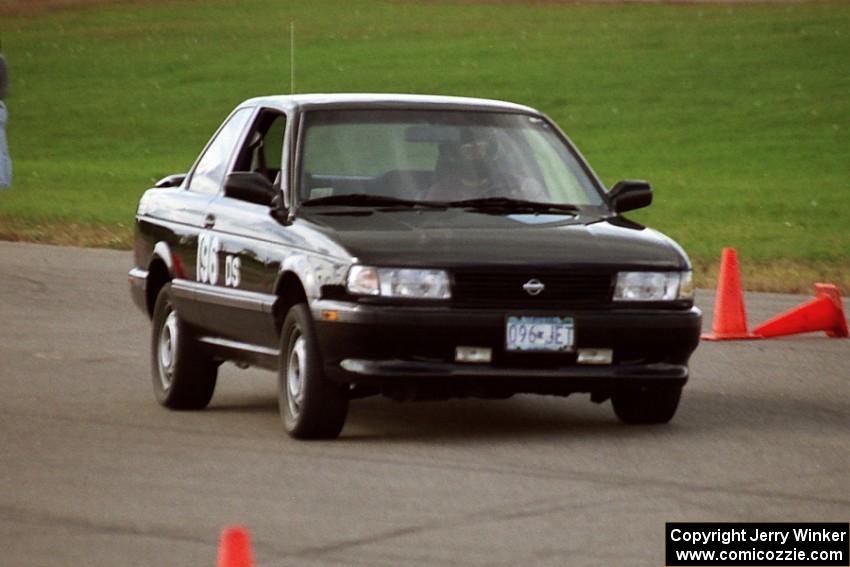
(183, 375)
(311, 406)
(647, 406)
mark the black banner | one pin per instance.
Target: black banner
(690, 544)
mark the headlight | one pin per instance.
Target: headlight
(653, 286)
(686, 285)
(363, 280)
(398, 282)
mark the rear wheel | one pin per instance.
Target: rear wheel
(648, 405)
(184, 376)
(311, 406)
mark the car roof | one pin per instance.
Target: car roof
(384, 100)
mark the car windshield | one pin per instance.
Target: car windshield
(461, 158)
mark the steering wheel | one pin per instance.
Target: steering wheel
(507, 185)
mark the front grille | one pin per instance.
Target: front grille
(505, 289)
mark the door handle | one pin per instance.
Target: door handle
(209, 221)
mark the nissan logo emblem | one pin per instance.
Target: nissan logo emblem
(533, 287)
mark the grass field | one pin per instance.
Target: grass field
(738, 114)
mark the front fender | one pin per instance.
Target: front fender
(313, 272)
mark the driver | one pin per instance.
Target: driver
(464, 170)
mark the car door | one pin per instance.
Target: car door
(239, 232)
(189, 208)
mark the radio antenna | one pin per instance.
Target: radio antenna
(292, 57)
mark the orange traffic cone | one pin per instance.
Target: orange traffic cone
(823, 313)
(730, 318)
(235, 548)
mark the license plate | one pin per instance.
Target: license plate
(542, 334)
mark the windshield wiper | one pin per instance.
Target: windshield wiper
(366, 200)
(512, 205)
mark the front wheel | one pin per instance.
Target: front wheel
(648, 405)
(184, 376)
(311, 406)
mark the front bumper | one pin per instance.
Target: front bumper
(390, 344)
(138, 280)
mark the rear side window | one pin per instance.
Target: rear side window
(212, 167)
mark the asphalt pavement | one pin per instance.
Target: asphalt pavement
(93, 472)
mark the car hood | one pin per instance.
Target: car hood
(452, 237)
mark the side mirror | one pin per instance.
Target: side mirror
(251, 186)
(630, 194)
(174, 180)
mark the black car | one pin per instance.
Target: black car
(419, 247)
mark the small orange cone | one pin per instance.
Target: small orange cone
(823, 313)
(235, 548)
(730, 318)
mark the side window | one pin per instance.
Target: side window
(210, 171)
(274, 143)
(263, 146)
